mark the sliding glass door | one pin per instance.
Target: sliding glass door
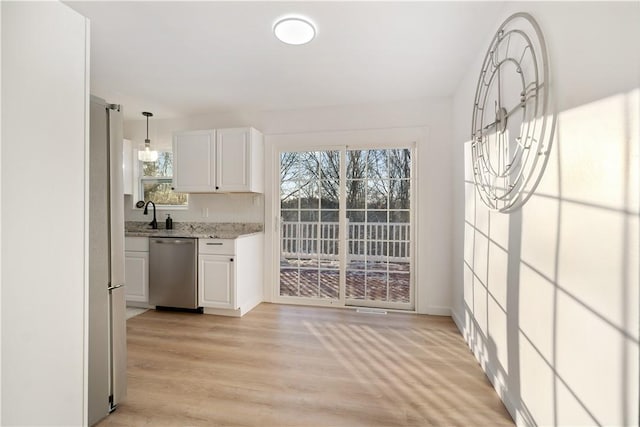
(345, 227)
(378, 188)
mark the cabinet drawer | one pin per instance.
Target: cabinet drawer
(137, 244)
(217, 246)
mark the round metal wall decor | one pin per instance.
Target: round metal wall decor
(511, 124)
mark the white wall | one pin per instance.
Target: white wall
(0, 214)
(434, 220)
(44, 98)
(547, 297)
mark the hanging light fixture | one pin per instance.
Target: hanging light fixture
(147, 155)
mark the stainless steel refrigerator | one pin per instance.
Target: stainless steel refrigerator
(107, 382)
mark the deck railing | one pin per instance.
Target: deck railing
(372, 241)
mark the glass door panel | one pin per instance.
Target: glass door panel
(378, 268)
(309, 212)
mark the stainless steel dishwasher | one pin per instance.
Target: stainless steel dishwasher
(173, 272)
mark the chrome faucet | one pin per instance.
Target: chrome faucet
(153, 223)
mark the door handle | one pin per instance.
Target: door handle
(112, 287)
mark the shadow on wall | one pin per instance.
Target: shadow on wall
(551, 291)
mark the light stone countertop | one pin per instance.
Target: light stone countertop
(200, 230)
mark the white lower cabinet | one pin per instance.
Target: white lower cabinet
(216, 281)
(136, 269)
(230, 275)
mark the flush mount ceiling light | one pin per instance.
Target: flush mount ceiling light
(294, 31)
(147, 155)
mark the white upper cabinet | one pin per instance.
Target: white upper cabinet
(222, 160)
(239, 155)
(194, 161)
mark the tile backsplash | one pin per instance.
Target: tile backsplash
(229, 207)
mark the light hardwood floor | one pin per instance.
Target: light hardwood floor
(302, 366)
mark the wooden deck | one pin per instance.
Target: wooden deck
(361, 284)
(303, 366)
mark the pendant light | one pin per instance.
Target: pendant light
(147, 155)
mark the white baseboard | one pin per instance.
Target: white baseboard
(232, 313)
(501, 390)
(458, 321)
(490, 372)
(250, 306)
(437, 311)
(139, 304)
(222, 312)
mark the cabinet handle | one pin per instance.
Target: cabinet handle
(231, 260)
(215, 244)
(173, 188)
(217, 188)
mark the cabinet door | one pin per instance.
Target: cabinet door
(216, 283)
(194, 161)
(232, 159)
(136, 276)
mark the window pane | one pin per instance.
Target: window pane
(329, 164)
(309, 164)
(377, 164)
(289, 278)
(376, 216)
(356, 164)
(355, 194)
(377, 191)
(399, 194)
(400, 163)
(160, 193)
(355, 216)
(329, 216)
(289, 216)
(399, 287)
(399, 216)
(309, 196)
(289, 166)
(377, 286)
(308, 216)
(289, 198)
(330, 194)
(355, 288)
(309, 286)
(161, 168)
(329, 284)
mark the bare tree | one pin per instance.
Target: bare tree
(375, 179)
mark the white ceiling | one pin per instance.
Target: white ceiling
(187, 58)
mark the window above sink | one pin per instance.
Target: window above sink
(155, 183)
